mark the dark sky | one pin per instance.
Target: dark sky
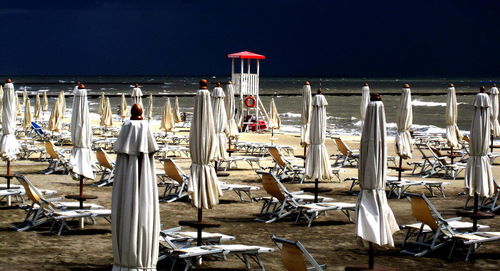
(331, 37)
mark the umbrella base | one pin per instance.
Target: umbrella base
(477, 215)
(312, 190)
(222, 174)
(198, 224)
(364, 267)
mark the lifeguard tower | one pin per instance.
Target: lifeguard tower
(246, 84)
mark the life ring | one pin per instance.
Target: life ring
(250, 101)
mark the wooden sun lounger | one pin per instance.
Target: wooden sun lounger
(295, 256)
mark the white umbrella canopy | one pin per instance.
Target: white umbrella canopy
(136, 95)
(176, 111)
(81, 160)
(203, 187)
(135, 208)
(232, 127)
(28, 117)
(220, 123)
(306, 112)
(1, 101)
(149, 107)
(495, 126)
(107, 115)
(317, 165)
(167, 120)
(62, 101)
(365, 99)
(274, 118)
(375, 222)
(55, 118)
(19, 111)
(123, 107)
(9, 147)
(404, 122)
(38, 106)
(45, 102)
(478, 174)
(102, 104)
(453, 134)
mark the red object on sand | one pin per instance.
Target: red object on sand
(246, 55)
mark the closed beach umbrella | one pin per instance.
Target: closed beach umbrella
(365, 99)
(28, 117)
(317, 165)
(25, 96)
(274, 117)
(9, 145)
(81, 135)
(452, 132)
(123, 107)
(404, 122)
(149, 107)
(478, 174)
(306, 112)
(62, 102)
(102, 104)
(375, 222)
(38, 106)
(107, 115)
(203, 188)
(136, 95)
(55, 118)
(167, 120)
(220, 122)
(19, 111)
(45, 102)
(135, 208)
(232, 127)
(495, 126)
(1, 101)
(176, 111)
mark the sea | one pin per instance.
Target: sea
(428, 98)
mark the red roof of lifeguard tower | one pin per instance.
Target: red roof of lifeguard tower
(246, 55)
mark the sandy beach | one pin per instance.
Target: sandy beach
(331, 239)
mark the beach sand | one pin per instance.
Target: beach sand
(330, 240)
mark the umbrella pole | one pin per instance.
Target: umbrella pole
(476, 208)
(8, 182)
(451, 150)
(491, 143)
(81, 192)
(316, 190)
(400, 168)
(200, 219)
(371, 257)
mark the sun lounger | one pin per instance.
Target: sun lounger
(490, 204)
(399, 188)
(253, 161)
(181, 248)
(58, 162)
(433, 231)
(295, 257)
(107, 167)
(44, 210)
(309, 212)
(283, 168)
(175, 181)
(346, 154)
(281, 202)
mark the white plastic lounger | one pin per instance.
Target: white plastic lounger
(240, 190)
(311, 211)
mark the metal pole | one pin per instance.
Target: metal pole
(400, 168)
(371, 257)
(9, 202)
(316, 190)
(81, 192)
(199, 229)
(476, 208)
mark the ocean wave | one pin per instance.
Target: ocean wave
(291, 115)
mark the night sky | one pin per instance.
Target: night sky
(434, 38)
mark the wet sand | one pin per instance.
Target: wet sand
(330, 240)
